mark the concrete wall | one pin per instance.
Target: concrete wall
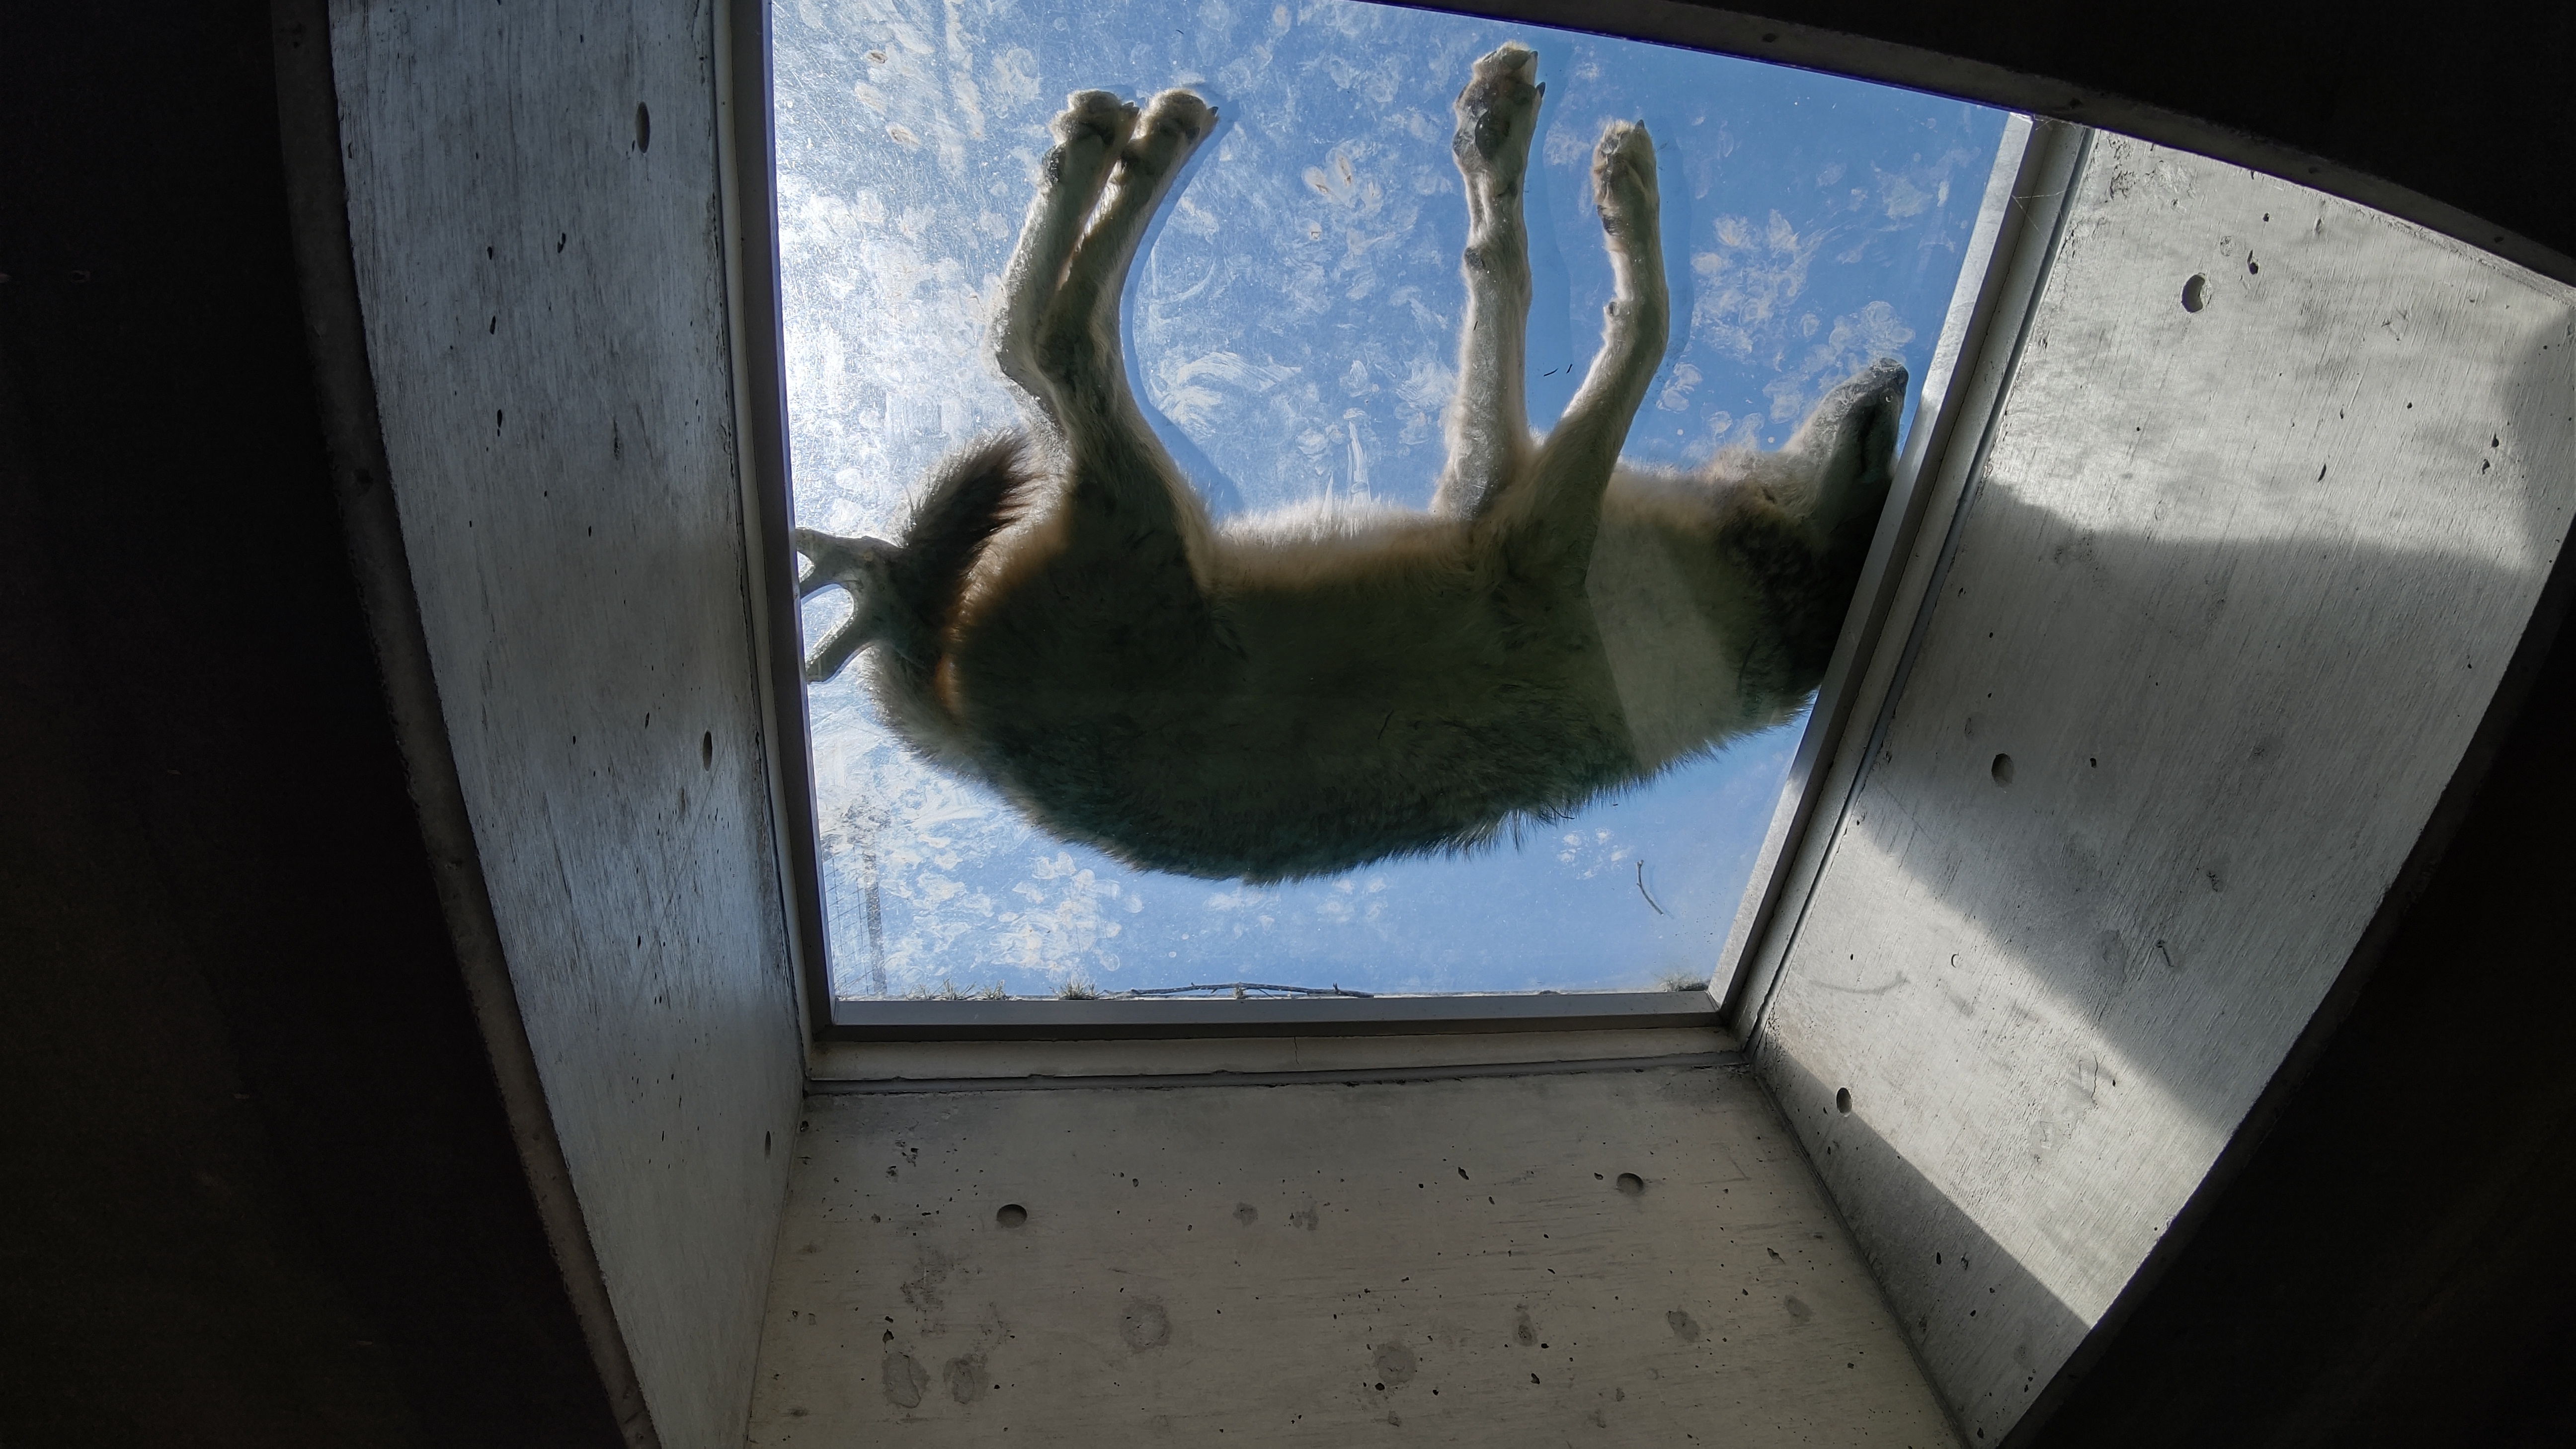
(1429, 1261)
(534, 211)
(2232, 591)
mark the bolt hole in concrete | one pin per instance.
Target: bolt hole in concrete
(1842, 1100)
(2195, 293)
(764, 1144)
(1011, 1215)
(1631, 1184)
(707, 750)
(643, 128)
(2003, 769)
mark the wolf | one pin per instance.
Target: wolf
(1302, 692)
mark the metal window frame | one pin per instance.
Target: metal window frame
(2018, 228)
(1155, 1020)
(1949, 409)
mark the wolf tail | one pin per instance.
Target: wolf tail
(968, 500)
(903, 595)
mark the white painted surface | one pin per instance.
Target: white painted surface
(1213, 1265)
(545, 318)
(2235, 590)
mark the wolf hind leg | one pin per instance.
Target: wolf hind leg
(1487, 427)
(1165, 135)
(1118, 467)
(1090, 133)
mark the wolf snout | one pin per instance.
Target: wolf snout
(1875, 390)
(1885, 378)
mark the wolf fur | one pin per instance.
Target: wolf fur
(1306, 691)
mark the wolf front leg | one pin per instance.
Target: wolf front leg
(1558, 509)
(1488, 424)
(1089, 135)
(1120, 472)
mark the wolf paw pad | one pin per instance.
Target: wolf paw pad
(1623, 177)
(1098, 114)
(1178, 113)
(1498, 110)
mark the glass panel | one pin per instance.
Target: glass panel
(1291, 327)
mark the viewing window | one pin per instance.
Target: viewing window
(1291, 328)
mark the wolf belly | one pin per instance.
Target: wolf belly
(1372, 697)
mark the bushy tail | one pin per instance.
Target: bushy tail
(967, 500)
(903, 595)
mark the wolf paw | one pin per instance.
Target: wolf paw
(1497, 112)
(1178, 113)
(1170, 129)
(1099, 114)
(1623, 178)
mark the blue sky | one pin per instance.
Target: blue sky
(1291, 333)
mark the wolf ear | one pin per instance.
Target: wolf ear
(1850, 440)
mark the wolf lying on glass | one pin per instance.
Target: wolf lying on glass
(1306, 691)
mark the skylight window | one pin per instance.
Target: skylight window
(1291, 332)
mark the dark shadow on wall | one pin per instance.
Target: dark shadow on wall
(256, 1186)
(2125, 1001)
(2093, 893)
(2054, 862)
(2383, 1259)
